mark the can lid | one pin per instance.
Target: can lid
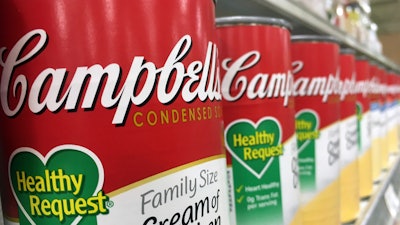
(252, 20)
(315, 38)
(347, 51)
(362, 58)
(373, 62)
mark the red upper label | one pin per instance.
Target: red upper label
(199, 81)
(317, 79)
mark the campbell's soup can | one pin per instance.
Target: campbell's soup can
(111, 113)
(349, 190)
(383, 135)
(259, 120)
(397, 100)
(392, 113)
(375, 121)
(363, 126)
(316, 90)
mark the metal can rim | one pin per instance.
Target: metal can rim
(252, 20)
(347, 51)
(314, 38)
(362, 58)
(373, 62)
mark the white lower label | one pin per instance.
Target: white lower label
(327, 156)
(195, 195)
(365, 132)
(348, 141)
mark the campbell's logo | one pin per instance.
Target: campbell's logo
(262, 85)
(376, 86)
(324, 85)
(362, 87)
(348, 87)
(199, 80)
(393, 89)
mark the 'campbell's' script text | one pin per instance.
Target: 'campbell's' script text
(199, 80)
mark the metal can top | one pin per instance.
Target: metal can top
(373, 62)
(314, 38)
(362, 58)
(347, 51)
(252, 20)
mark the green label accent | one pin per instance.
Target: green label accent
(359, 113)
(65, 187)
(307, 124)
(255, 150)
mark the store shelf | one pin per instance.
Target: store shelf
(383, 206)
(303, 21)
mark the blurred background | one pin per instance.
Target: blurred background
(386, 14)
(371, 27)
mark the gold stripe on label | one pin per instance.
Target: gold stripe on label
(163, 174)
(15, 220)
(293, 136)
(336, 123)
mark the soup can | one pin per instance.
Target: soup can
(397, 100)
(392, 113)
(259, 120)
(363, 124)
(317, 103)
(383, 110)
(375, 121)
(349, 190)
(111, 113)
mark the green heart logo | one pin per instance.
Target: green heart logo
(254, 145)
(307, 131)
(307, 124)
(64, 187)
